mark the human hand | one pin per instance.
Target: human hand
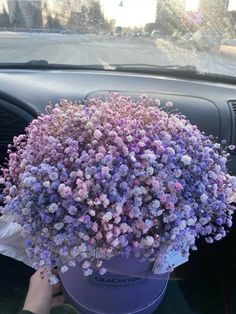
(41, 295)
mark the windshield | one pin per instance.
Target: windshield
(200, 33)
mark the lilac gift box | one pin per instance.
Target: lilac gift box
(128, 287)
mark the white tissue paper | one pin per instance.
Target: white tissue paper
(171, 260)
(12, 241)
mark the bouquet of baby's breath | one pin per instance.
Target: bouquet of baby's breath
(115, 176)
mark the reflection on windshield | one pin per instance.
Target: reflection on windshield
(201, 33)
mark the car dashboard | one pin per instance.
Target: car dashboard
(24, 94)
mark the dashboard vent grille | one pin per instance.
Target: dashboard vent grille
(10, 126)
(232, 105)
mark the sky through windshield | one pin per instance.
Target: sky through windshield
(130, 12)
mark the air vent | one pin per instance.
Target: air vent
(10, 126)
(232, 105)
(12, 123)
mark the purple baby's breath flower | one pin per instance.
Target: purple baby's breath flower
(63, 251)
(27, 228)
(64, 269)
(52, 208)
(87, 272)
(97, 134)
(53, 176)
(75, 251)
(107, 217)
(36, 187)
(219, 221)
(102, 271)
(53, 280)
(68, 220)
(59, 225)
(72, 263)
(45, 255)
(186, 160)
(204, 198)
(209, 240)
(86, 265)
(115, 175)
(28, 243)
(72, 210)
(64, 190)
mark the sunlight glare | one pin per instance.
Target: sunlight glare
(131, 13)
(191, 5)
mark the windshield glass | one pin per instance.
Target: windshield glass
(201, 33)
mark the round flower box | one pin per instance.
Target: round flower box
(129, 286)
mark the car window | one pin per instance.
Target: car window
(107, 32)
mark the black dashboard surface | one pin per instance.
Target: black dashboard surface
(37, 87)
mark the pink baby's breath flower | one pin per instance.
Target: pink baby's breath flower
(79, 182)
(97, 134)
(117, 219)
(99, 157)
(118, 140)
(178, 186)
(107, 217)
(124, 227)
(112, 134)
(109, 235)
(149, 241)
(99, 236)
(64, 190)
(89, 125)
(105, 170)
(95, 227)
(115, 176)
(155, 184)
(115, 243)
(92, 212)
(80, 173)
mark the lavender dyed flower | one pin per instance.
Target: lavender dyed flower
(115, 176)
